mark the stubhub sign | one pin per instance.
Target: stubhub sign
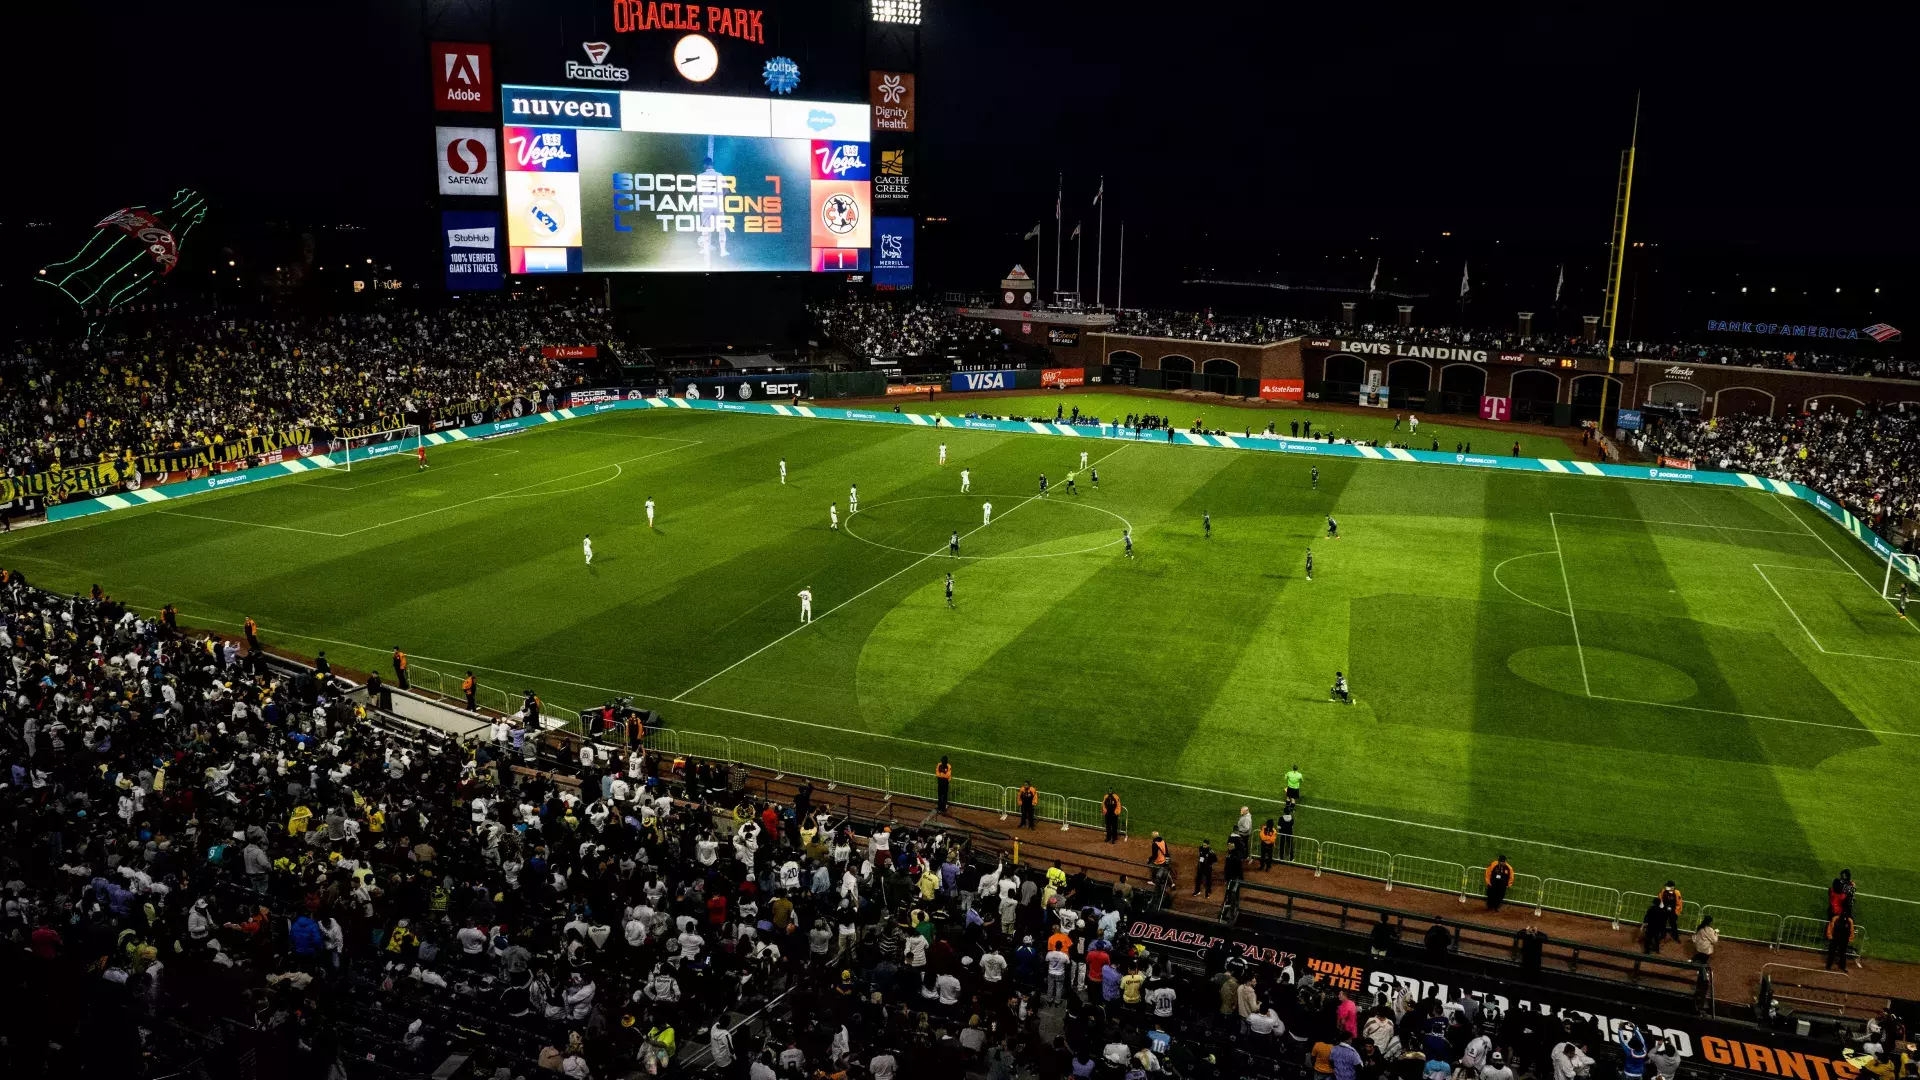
(982, 380)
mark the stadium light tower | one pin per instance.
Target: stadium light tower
(905, 12)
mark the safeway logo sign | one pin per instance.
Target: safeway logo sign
(462, 76)
(467, 161)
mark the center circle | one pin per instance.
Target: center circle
(1559, 667)
(1018, 502)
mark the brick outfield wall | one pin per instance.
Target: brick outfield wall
(1714, 388)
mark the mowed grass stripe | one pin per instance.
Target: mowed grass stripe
(1204, 663)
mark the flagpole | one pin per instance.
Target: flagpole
(1120, 289)
(1058, 193)
(1037, 279)
(1100, 243)
(1078, 242)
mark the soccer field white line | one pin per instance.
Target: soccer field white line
(1578, 650)
(681, 696)
(415, 474)
(253, 524)
(1535, 603)
(1803, 626)
(1173, 784)
(1841, 559)
(1681, 524)
(523, 487)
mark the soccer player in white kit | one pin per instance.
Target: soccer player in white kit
(588, 545)
(853, 498)
(649, 513)
(966, 481)
(1083, 459)
(806, 604)
(833, 516)
(986, 514)
(943, 453)
(783, 470)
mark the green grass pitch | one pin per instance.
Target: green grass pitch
(1729, 704)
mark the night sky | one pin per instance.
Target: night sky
(1271, 144)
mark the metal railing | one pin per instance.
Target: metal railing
(1371, 864)
(1553, 894)
(965, 792)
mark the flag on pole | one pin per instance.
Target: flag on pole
(1058, 194)
(1102, 191)
(1463, 279)
(1375, 282)
(1558, 284)
(1075, 234)
(1033, 233)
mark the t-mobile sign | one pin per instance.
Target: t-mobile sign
(1496, 408)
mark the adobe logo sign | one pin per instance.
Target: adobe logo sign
(462, 76)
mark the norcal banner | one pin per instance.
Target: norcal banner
(1496, 408)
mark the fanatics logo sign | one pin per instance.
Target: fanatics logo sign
(462, 76)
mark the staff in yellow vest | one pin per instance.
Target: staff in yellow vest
(942, 783)
(466, 687)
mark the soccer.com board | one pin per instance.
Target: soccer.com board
(620, 180)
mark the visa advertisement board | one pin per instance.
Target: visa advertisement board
(604, 181)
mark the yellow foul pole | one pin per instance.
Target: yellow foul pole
(1619, 262)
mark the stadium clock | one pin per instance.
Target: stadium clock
(695, 58)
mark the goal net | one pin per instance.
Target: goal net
(358, 451)
(1903, 571)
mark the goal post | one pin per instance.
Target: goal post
(1902, 570)
(359, 450)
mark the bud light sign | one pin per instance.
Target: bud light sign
(473, 250)
(893, 253)
(983, 380)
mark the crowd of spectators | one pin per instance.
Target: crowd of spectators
(1254, 330)
(890, 327)
(1863, 458)
(193, 380)
(210, 853)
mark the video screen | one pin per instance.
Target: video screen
(611, 181)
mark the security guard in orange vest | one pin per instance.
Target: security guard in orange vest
(1268, 837)
(1157, 864)
(636, 728)
(1671, 904)
(467, 686)
(400, 668)
(1111, 807)
(1499, 877)
(942, 781)
(1029, 805)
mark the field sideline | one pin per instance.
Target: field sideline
(1603, 678)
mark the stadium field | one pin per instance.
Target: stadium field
(1234, 419)
(1614, 682)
